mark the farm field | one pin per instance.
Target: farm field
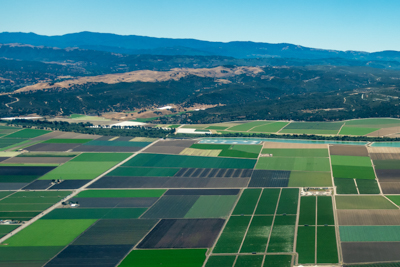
(82, 200)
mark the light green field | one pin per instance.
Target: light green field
(117, 157)
(247, 126)
(353, 172)
(221, 207)
(295, 153)
(309, 131)
(356, 130)
(293, 164)
(387, 233)
(122, 193)
(363, 202)
(374, 122)
(269, 128)
(310, 179)
(247, 148)
(351, 161)
(49, 233)
(78, 171)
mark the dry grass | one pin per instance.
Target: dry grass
(201, 152)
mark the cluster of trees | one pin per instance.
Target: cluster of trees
(85, 128)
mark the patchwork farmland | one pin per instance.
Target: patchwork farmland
(69, 199)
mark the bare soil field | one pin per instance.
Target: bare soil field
(385, 132)
(384, 156)
(359, 252)
(384, 149)
(368, 217)
(292, 145)
(390, 187)
(348, 150)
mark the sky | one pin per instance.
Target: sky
(362, 25)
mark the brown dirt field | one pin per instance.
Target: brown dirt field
(37, 160)
(359, 252)
(368, 217)
(385, 131)
(292, 145)
(384, 149)
(148, 76)
(384, 156)
(170, 146)
(390, 188)
(388, 175)
(348, 150)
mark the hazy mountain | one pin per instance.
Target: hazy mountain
(133, 44)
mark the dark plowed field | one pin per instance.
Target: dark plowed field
(109, 202)
(83, 256)
(369, 217)
(28, 170)
(39, 184)
(384, 156)
(359, 252)
(171, 207)
(116, 232)
(52, 147)
(170, 147)
(12, 186)
(168, 182)
(70, 184)
(388, 175)
(263, 178)
(202, 192)
(88, 148)
(183, 233)
(348, 150)
(390, 188)
(212, 173)
(3, 158)
(38, 160)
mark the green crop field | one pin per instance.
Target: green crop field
(297, 152)
(217, 127)
(282, 235)
(387, 233)
(221, 207)
(325, 211)
(306, 244)
(307, 210)
(232, 236)
(363, 202)
(257, 235)
(247, 126)
(315, 125)
(165, 258)
(353, 172)
(293, 164)
(374, 122)
(24, 207)
(269, 128)
(49, 233)
(368, 186)
(326, 245)
(101, 157)
(28, 133)
(268, 201)
(237, 154)
(288, 201)
(356, 130)
(249, 261)
(247, 202)
(351, 161)
(220, 261)
(160, 160)
(248, 148)
(97, 213)
(387, 164)
(137, 171)
(3, 194)
(345, 186)
(122, 193)
(310, 179)
(210, 146)
(78, 170)
(278, 260)
(66, 141)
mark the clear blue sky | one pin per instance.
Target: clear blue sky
(365, 25)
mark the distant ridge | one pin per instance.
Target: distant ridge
(133, 44)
